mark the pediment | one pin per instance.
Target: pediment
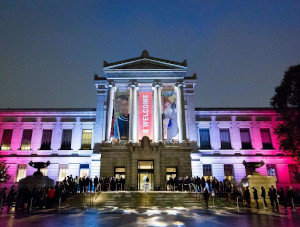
(145, 62)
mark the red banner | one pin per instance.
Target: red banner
(145, 114)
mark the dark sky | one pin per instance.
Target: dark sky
(49, 50)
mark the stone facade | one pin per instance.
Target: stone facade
(185, 154)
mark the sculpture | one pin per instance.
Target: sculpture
(39, 166)
(251, 166)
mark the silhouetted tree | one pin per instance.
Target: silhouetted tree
(4, 176)
(286, 102)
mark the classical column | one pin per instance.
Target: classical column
(157, 109)
(110, 103)
(133, 112)
(180, 111)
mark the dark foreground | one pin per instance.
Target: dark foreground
(176, 216)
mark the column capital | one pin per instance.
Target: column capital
(110, 84)
(156, 84)
(180, 84)
(133, 84)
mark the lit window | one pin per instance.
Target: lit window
(26, 140)
(66, 139)
(204, 139)
(63, 171)
(207, 172)
(21, 172)
(86, 139)
(120, 172)
(84, 170)
(171, 172)
(46, 139)
(228, 171)
(6, 139)
(266, 138)
(44, 171)
(245, 138)
(145, 165)
(225, 138)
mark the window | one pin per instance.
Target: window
(293, 171)
(245, 138)
(145, 165)
(66, 139)
(46, 139)
(266, 138)
(171, 172)
(120, 172)
(6, 139)
(204, 139)
(63, 171)
(26, 140)
(84, 170)
(44, 171)
(207, 173)
(86, 139)
(271, 170)
(21, 172)
(225, 138)
(228, 171)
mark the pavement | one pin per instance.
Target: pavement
(150, 216)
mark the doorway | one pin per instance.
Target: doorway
(145, 169)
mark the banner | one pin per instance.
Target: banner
(145, 114)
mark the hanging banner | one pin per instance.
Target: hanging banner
(145, 114)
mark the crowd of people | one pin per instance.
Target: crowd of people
(229, 191)
(46, 197)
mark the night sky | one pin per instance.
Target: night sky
(50, 50)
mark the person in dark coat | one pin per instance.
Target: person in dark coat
(282, 199)
(206, 196)
(247, 196)
(290, 195)
(122, 181)
(274, 196)
(255, 196)
(10, 197)
(202, 183)
(263, 195)
(96, 182)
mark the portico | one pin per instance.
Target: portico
(153, 90)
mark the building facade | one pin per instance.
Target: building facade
(145, 124)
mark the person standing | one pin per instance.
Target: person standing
(10, 197)
(146, 183)
(282, 198)
(263, 195)
(206, 196)
(274, 196)
(96, 182)
(247, 196)
(290, 195)
(255, 196)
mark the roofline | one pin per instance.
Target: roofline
(233, 108)
(47, 109)
(144, 55)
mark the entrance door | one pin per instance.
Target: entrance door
(141, 176)
(145, 169)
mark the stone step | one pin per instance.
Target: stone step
(138, 199)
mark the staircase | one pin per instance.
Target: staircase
(139, 199)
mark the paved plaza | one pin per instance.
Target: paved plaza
(150, 216)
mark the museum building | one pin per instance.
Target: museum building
(145, 123)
